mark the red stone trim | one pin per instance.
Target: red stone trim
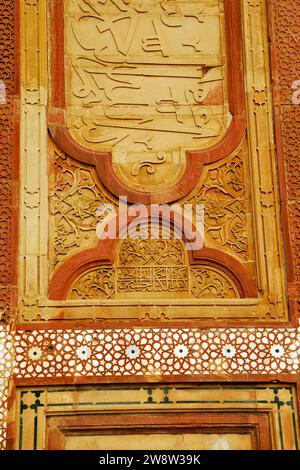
(283, 16)
(228, 264)
(104, 167)
(61, 323)
(192, 378)
(9, 151)
(93, 257)
(195, 158)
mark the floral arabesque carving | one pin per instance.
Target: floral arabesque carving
(210, 283)
(97, 284)
(225, 200)
(73, 206)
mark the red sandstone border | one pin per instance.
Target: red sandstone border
(9, 151)
(280, 74)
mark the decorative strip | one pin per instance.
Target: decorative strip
(6, 369)
(285, 64)
(9, 106)
(68, 353)
(163, 352)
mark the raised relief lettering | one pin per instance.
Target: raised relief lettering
(146, 77)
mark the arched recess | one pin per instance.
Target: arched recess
(104, 255)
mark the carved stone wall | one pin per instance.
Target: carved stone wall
(196, 120)
(75, 195)
(47, 354)
(225, 194)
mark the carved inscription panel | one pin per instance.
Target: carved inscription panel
(146, 80)
(153, 269)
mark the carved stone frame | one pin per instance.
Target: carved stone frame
(271, 305)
